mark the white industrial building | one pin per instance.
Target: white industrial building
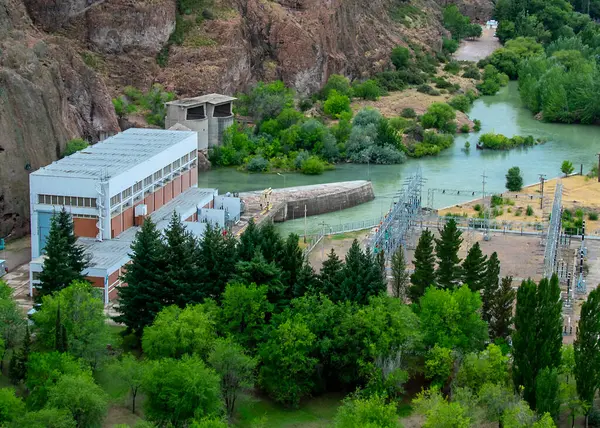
(112, 186)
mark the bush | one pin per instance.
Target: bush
(453, 67)
(400, 123)
(265, 100)
(465, 129)
(449, 45)
(514, 180)
(529, 210)
(472, 72)
(500, 142)
(339, 83)
(391, 80)
(567, 168)
(492, 80)
(476, 125)
(75, 145)
(313, 166)
(461, 103)
(257, 164)
(400, 57)
(408, 113)
(368, 90)
(426, 89)
(441, 83)
(336, 104)
(440, 116)
(593, 216)
(477, 207)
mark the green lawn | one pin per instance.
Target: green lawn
(317, 412)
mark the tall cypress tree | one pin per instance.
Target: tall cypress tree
(424, 261)
(490, 286)
(144, 295)
(249, 242)
(502, 310)
(525, 367)
(549, 323)
(587, 349)
(448, 272)
(330, 276)
(181, 273)
(473, 268)
(400, 276)
(217, 256)
(65, 260)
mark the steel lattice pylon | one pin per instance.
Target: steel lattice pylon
(403, 215)
(553, 235)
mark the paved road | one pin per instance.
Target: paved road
(474, 50)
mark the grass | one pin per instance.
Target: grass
(317, 412)
(347, 235)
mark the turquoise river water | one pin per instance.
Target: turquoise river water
(455, 168)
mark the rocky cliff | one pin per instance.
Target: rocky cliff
(61, 61)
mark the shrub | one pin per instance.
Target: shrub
(461, 103)
(426, 89)
(313, 166)
(368, 90)
(257, 164)
(391, 80)
(336, 104)
(567, 168)
(453, 67)
(476, 125)
(449, 45)
(593, 216)
(492, 80)
(75, 145)
(441, 83)
(301, 157)
(408, 113)
(265, 100)
(440, 116)
(465, 129)
(496, 201)
(400, 57)
(339, 83)
(472, 72)
(500, 142)
(529, 210)
(514, 180)
(477, 207)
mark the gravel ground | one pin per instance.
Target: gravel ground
(474, 50)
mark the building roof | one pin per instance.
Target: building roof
(209, 98)
(116, 154)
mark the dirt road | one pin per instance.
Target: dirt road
(474, 50)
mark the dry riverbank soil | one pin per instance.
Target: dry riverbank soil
(474, 50)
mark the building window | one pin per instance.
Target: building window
(137, 187)
(148, 181)
(176, 164)
(184, 159)
(157, 175)
(167, 169)
(192, 154)
(115, 199)
(85, 216)
(126, 193)
(35, 276)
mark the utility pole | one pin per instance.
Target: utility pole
(598, 167)
(305, 223)
(485, 211)
(542, 179)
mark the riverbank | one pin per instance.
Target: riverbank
(474, 50)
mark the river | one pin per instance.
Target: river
(455, 168)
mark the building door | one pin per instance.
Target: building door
(44, 219)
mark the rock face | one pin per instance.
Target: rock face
(53, 14)
(47, 96)
(478, 10)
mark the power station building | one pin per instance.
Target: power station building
(111, 187)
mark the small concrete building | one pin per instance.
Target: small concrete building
(111, 187)
(208, 115)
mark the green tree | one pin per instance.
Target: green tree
(235, 368)
(65, 260)
(362, 275)
(587, 349)
(424, 261)
(455, 22)
(438, 365)
(501, 318)
(75, 145)
(450, 319)
(339, 83)
(307, 281)
(549, 323)
(547, 392)
(179, 390)
(11, 406)
(287, 372)
(12, 322)
(291, 262)
(439, 116)
(267, 100)
(400, 276)
(131, 372)
(259, 271)
(216, 263)
(514, 180)
(85, 400)
(490, 286)
(19, 359)
(336, 104)
(143, 297)
(400, 57)
(366, 412)
(487, 366)
(45, 369)
(271, 244)
(331, 276)
(473, 268)
(440, 413)
(446, 249)
(82, 317)
(567, 168)
(177, 332)
(496, 399)
(244, 312)
(45, 418)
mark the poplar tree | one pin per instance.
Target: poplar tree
(181, 273)
(490, 286)
(424, 261)
(549, 323)
(330, 276)
(400, 276)
(524, 341)
(502, 310)
(249, 242)
(473, 268)
(448, 272)
(65, 261)
(217, 256)
(587, 350)
(142, 298)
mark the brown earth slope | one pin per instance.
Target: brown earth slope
(61, 61)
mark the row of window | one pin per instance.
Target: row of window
(71, 201)
(84, 216)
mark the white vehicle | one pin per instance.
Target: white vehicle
(3, 268)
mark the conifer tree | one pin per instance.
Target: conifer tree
(424, 261)
(258, 271)
(291, 261)
(373, 281)
(490, 286)
(352, 273)
(502, 310)
(587, 349)
(181, 273)
(271, 244)
(143, 296)
(249, 242)
(473, 268)
(65, 260)
(400, 276)
(217, 256)
(19, 359)
(549, 323)
(448, 272)
(307, 281)
(330, 276)
(525, 367)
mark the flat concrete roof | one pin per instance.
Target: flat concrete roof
(115, 155)
(111, 252)
(209, 98)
